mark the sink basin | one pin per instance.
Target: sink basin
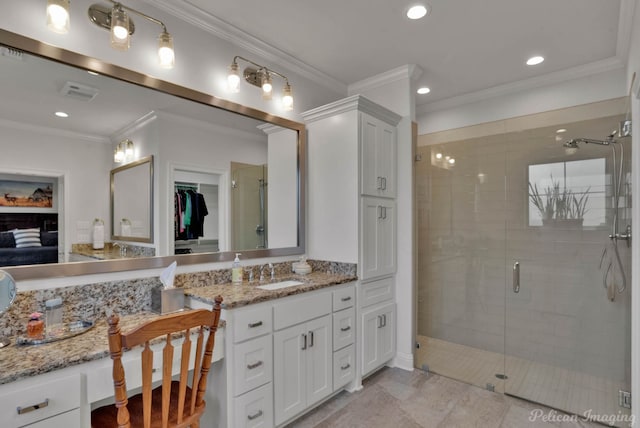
(279, 285)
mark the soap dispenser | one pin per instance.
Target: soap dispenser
(236, 270)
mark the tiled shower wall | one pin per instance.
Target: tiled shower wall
(473, 224)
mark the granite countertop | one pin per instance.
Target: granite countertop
(22, 361)
(247, 293)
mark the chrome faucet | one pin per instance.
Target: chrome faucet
(270, 266)
(123, 248)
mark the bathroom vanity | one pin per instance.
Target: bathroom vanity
(258, 347)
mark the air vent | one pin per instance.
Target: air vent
(12, 53)
(79, 91)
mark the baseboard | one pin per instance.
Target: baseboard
(403, 361)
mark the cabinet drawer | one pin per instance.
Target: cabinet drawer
(344, 370)
(301, 309)
(252, 364)
(376, 292)
(344, 328)
(254, 409)
(251, 322)
(71, 419)
(41, 401)
(344, 298)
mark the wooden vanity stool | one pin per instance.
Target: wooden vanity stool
(173, 403)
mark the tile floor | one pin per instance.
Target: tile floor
(400, 399)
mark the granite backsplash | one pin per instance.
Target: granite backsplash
(97, 301)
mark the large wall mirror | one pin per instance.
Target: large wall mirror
(226, 178)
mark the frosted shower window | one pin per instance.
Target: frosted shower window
(561, 186)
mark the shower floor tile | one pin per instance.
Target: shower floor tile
(571, 391)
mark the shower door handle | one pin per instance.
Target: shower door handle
(516, 277)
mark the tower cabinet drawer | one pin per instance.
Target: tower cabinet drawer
(374, 292)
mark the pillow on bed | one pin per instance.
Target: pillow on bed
(6, 240)
(48, 239)
(27, 237)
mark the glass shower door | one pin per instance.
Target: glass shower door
(567, 321)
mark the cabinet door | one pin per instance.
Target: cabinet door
(386, 158)
(289, 372)
(378, 237)
(387, 239)
(370, 179)
(319, 355)
(387, 334)
(378, 157)
(378, 337)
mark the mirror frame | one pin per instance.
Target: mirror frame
(148, 160)
(41, 49)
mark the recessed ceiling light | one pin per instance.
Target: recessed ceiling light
(418, 11)
(423, 90)
(93, 73)
(535, 60)
(61, 114)
(561, 130)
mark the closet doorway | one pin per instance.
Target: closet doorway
(198, 212)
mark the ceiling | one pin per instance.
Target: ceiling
(462, 46)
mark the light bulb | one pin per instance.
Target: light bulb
(58, 16)
(438, 155)
(118, 156)
(166, 54)
(287, 98)
(267, 86)
(452, 161)
(119, 29)
(233, 78)
(129, 149)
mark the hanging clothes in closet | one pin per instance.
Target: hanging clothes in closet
(190, 211)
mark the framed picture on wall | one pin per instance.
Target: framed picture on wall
(21, 194)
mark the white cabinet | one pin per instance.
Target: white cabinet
(255, 409)
(378, 337)
(378, 237)
(53, 402)
(303, 367)
(377, 157)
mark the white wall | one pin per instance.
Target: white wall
(282, 189)
(47, 152)
(440, 116)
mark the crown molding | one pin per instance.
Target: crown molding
(597, 67)
(48, 130)
(197, 17)
(354, 102)
(135, 125)
(408, 72)
(269, 128)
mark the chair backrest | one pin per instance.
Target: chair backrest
(190, 406)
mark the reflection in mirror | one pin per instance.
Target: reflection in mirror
(132, 201)
(7, 296)
(184, 130)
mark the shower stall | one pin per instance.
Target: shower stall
(523, 258)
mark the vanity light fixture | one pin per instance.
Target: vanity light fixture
(58, 16)
(121, 26)
(260, 76)
(124, 151)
